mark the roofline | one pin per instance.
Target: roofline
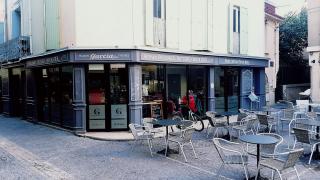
(274, 17)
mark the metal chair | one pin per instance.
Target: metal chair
(149, 126)
(246, 125)
(265, 120)
(303, 137)
(185, 139)
(288, 116)
(140, 134)
(231, 155)
(215, 123)
(280, 165)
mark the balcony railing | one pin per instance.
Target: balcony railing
(14, 49)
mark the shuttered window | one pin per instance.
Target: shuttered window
(52, 24)
(243, 30)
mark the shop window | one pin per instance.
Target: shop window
(66, 95)
(118, 96)
(153, 91)
(55, 94)
(197, 85)
(96, 96)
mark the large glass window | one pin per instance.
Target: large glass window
(44, 93)
(153, 91)
(96, 94)
(177, 88)
(55, 98)
(227, 89)
(118, 96)
(197, 86)
(66, 95)
(219, 89)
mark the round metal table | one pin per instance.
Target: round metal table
(258, 139)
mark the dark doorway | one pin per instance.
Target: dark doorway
(174, 85)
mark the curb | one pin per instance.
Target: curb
(102, 139)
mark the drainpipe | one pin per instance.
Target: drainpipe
(6, 34)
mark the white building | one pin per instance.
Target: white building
(314, 47)
(272, 21)
(118, 61)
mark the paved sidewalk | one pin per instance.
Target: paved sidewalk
(32, 151)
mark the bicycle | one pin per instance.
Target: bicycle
(197, 121)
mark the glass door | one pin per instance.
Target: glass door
(232, 89)
(118, 77)
(96, 97)
(54, 94)
(227, 89)
(44, 95)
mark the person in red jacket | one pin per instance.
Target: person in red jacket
(192, 102)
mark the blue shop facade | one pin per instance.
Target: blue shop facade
(106, 89)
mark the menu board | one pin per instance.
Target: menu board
(119, 116)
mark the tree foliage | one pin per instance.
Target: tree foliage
(293, 38)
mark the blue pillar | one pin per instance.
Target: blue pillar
(135, 94)
(211, 97)
(79, 99)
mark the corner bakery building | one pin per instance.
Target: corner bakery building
(106, 89)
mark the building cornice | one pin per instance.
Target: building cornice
(143, 49)
(274, 17)
(313, 49)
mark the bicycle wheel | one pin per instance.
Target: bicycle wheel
(198, 125)
(197, 122)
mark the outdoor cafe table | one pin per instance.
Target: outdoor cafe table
(167, 123)
(258, 140)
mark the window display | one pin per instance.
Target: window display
(153, 90)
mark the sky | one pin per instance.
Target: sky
(285, 6)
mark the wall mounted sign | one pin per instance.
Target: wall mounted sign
(48, 60)
(201, 59)
(102, 55)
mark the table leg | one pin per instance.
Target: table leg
(227, 136)
(169, 151)
(258, 154)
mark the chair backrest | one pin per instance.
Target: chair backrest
(271, 148)
(316, 109)
(186, 124)
(241, 116)
(187, 134)
(250, 123)
(217, 145)
(302, 125)
(288, 113)
(302, 102)
(147, 123)
(133, 131)
(302, 135)
(292, 158)
(263, 119)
